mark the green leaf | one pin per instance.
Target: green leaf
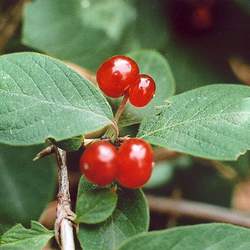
(130, 218)
(20, 238)
(188, 70)
(94, 204)
(199, 237)
(42, 98)
(162, 173)
(210, 122)
(26, 186)
(154, 64)
(81, 31)
(150, 24)
(4, 228)
(241, 166)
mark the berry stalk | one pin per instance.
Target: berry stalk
(121, 107)
(111, 131)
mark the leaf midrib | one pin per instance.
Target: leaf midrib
(207, 118)
(61, 105)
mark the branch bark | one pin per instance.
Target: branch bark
(45, 152)
(64, 215)
(198, 210)
(9, 23)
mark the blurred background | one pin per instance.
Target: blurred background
(203, 42)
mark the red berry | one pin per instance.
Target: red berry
(116, 75)
(99, 163)
(135, 162)
(143, 91)
(202, 18)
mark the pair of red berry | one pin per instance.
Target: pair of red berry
(131, 165)
(119, 75)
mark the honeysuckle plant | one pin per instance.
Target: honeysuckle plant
(67, 119)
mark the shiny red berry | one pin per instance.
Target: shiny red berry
(135, 162)
(143, 91)
(116, 75)
(99, 163)
(201, 18)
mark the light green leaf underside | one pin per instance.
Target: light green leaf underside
(199, 237)
(20, 238)
(211, 122)
(94, 204)
(130, 218)
(40, 97)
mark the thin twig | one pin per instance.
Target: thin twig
(241, 69)
(161, 154)
(121, 107)
(10, 22)
(198, 210)
(45, 152)
(64, 216)
(112, 131)
(224, 169)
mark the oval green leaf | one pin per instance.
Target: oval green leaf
(21, 238)
(41, 98)
(199, 237)
(82, 31)
(130, 218)
(148, 26)
(94, 204)
(211, 122)
(26, 186)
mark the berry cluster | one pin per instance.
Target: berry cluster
(130, 165)
(119, 76)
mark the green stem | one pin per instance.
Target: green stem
(121, 108)
(111, 132)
